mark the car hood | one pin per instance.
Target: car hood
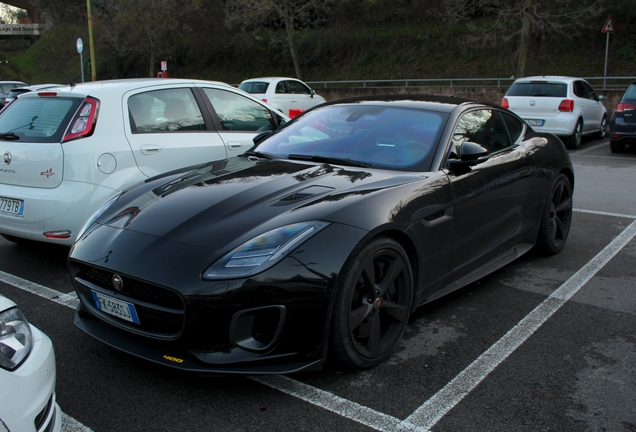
(227, 202)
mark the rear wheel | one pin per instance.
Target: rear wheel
(574, 140)
(556, 218)
(602, 131)
(617, 147)
(373, 305)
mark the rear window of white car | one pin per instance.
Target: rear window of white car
(254, 87)
(40, 119)
(538, 89)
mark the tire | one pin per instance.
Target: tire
(617, 147)
(574, 140)
(556, 218)
(373, 305)
(602, 131)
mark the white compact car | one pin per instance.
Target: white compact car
(68, 150)
(27, 375)
(565, 106)
(288, 95)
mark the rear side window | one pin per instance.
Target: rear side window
(631, 92)
(39, 119)
(254, 87)
(165, 111)
(538, 89)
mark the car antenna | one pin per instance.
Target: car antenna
(68, 80)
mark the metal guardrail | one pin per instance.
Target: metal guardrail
(617, 83)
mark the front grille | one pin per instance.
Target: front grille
(161, 311)
(133, 288)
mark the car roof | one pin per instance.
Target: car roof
(419, 101)
(270, 79)
(124, 85)
(549, 78)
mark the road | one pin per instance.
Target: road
(543, 344)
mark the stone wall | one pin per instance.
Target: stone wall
(487, 94)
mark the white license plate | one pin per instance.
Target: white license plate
(10, 206)
(115, 307)
(535, 122)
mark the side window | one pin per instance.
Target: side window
(281, 87)
(170, 110)
(238, 113)
(298, 87)
(484, 127)
(588, 91)
(515, 127)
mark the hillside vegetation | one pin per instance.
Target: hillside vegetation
(366, 39)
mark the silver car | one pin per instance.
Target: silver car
(565, 106)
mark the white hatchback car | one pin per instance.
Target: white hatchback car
(68, 150)
(27, 375)
(288, 95)
(565, 106)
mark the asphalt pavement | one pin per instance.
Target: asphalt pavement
(544, 344)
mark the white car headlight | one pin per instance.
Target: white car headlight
(262, 251)
(16, 340)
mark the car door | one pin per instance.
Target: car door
(489, 197)
(302, 97)
(589, 105)
(238, 118)
(167, 129)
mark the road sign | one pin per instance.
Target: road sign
(164, 65)
(609, 25)
(80, 45)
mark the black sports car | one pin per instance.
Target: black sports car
(319, 242)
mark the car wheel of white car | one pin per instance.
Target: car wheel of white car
(574, 140)
(602, 131)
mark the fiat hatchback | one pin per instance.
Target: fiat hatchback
(68, 150)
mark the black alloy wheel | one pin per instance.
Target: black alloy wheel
(373, 305)
(556, 218)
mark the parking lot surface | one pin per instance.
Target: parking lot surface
(543, 344)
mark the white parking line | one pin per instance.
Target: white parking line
(428, 414)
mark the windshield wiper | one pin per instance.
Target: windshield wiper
(9, 136)
(262, 155)
(331, 159)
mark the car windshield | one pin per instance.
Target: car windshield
(538, 89)
(254, 86)
(364, 135)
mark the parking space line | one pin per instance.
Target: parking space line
(344, 407)
(447, 398)
(601, 213)
(428, 414)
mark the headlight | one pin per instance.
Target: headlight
(16, 340)
(263, 251)
(97, 214)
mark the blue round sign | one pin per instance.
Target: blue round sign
(80, 45)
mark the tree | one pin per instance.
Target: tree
(291, 13)
(145, 29)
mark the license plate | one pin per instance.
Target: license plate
(118, 308)
(10, 206)
(535, 122)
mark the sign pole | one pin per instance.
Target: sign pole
(607, 29)
(90, 40)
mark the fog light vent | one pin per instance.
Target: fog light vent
(257, 329)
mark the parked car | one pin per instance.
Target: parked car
(623, 121)
(565, 106)
(6, 87)
(318, 243)
(288, 95)
(14, 93)
(68, 150)
(27, 374)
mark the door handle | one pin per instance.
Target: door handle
(148, 149)
(234, 145)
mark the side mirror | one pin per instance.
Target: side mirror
(600, 98)
(471, 154)
(312, 92)
(261, 136)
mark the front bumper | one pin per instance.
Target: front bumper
(27, 399)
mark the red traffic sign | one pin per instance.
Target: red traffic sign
(164, 65)
(609, 25)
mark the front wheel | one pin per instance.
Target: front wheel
(556, 218)
(373, 305)
(574, 140)
(602, 131)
